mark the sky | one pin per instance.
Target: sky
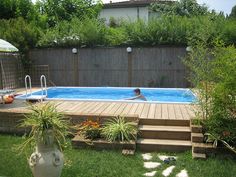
(218, 5)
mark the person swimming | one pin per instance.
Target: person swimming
(138, 95)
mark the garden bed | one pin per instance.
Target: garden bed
(100, 144)
(114, 133)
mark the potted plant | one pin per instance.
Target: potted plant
(48, 135)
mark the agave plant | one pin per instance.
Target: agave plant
(117, 129)
(44, 118)
(215, 139)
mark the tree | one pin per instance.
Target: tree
(58, 10)
(7, 9)
(233, 12)
(17, 8)
(182, 8)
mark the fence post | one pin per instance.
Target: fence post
(129, 51)
(76, 64)
(1, 79)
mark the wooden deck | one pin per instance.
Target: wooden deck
(93, 108)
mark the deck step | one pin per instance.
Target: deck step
(164, 122)
(199, 156)
(197, 137)
(202, 148)
(151, 145)
(165, 132)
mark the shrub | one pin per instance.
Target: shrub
(213, 72)
(118, 129)
(90, 129)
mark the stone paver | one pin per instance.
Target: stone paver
(183, 173)
(168, 171)
(150, 165)
(147, 156)
(150, 173)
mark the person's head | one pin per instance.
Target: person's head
(137, 91)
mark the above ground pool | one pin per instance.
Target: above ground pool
(160, 95)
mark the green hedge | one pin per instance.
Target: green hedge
(168, 30)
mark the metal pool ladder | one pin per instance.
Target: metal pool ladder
(43, 84)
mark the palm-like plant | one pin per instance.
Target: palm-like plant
(118, 129)
(47, 124)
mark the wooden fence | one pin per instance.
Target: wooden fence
(143, 67)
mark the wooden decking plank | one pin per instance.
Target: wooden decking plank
(145, 111)
(92, 107)
(86, 105)
(190, 111)
(184, 112)
(158, 112)
(108, 108)
(98, 108)
(152, 110)
(127, 109)
(114, 109)
(171, 111)
(77, 106)
(133, 109)
(120, 109)
(61, 105)
(164, 111)
(139, 109)
(65, 106)
(178, 114)
(103, 108)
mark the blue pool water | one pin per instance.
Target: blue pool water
(118, 93)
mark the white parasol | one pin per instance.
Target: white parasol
(7, 47)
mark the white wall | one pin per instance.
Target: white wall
(131, 13)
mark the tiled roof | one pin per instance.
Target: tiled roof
(133, 3)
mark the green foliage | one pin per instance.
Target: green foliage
(116, 36)
(168, 30)
(90, 129)
(86, 32)
(223, 115)
(215, 139)
(228, 32)
(58, 10)
(42, 119)
(213, 74)
(183, 8)
(118, 129)
(17, 8)
(233, 12)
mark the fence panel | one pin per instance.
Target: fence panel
(150, 67)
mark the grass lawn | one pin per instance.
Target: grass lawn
(91, 163)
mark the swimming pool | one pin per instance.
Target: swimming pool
(160, 95)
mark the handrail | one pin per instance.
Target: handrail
(43, 84)
(26, 85)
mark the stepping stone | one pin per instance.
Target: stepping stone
(163, 157)
(149, 165)
(183, 173)
(147, 156)
(128, 152)
(150, 173)
(168, 171)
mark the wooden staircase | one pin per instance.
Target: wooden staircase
(164, 135)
